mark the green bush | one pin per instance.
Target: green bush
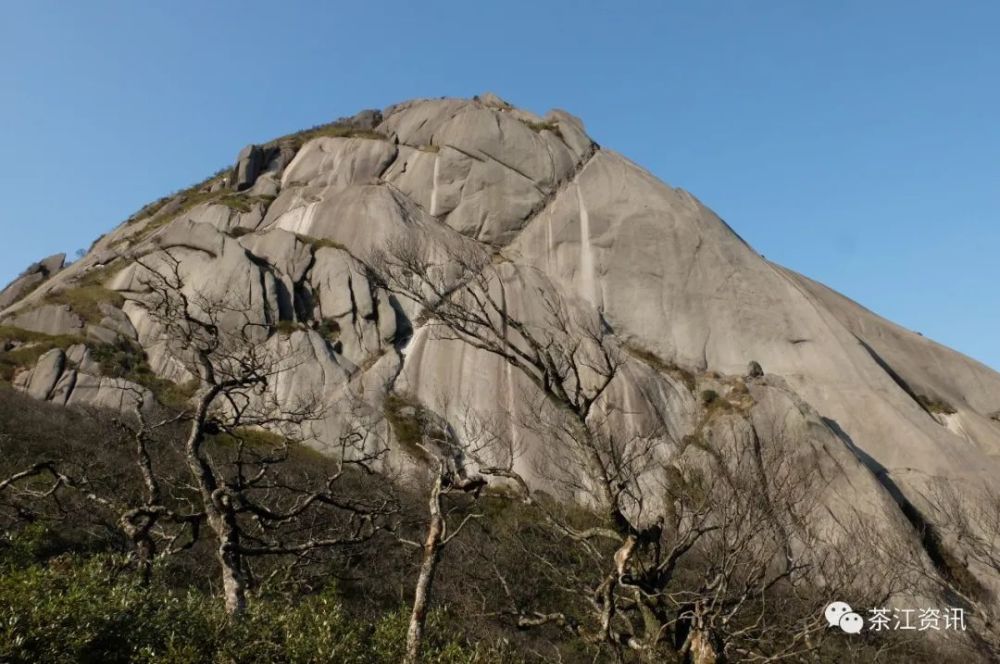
(708, 397)
(329, 328)
(936, 406)
(90, 610)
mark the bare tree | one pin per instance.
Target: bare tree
(965, 540)
(698, 570)
(152, 525)
(250, 508)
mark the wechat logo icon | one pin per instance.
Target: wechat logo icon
(840, 614)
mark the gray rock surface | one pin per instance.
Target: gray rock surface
(568, 222)
(52, 319)
(35, 274)
(46, 373)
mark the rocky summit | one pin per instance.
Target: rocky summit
(701, 317)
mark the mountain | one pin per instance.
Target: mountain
(290, 230)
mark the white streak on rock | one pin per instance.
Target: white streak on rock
(586, 253)
(434, 185)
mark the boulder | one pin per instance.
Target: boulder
(28, 280)
(336, 161)
(46, 373)
(52, 319)
(102, 392)
(255, 160)
(249, 165)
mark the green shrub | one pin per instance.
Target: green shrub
(89, 610)
(408, 420)
(936, 406)
(286, 327)
(709, 397)
(239, 231)
(329, 328)
(539, 127)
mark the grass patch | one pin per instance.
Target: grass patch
(334, 130)
(409, 422)
(32, 345)
(936, 406)
(286, 327)
(319, 242)
(189, 201)
(236, 202)
(539, 127)
(256, 438)
(152, 208)
(86, 301)
(659, 364)
(99, 276)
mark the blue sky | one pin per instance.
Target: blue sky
(856, 142)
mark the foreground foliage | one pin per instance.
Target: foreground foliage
(89, 609)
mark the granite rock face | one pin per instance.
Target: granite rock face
(30, 278)
(567, 222)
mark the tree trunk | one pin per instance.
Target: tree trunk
(428, 566)
(221, 517)
(233, 583)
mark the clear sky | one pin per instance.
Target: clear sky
(855, 142)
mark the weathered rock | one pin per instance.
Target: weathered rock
(366, 120)
(330, 161)
(101, 334)
(255, 160)
(493, 101)
(53, 319)
(249, 165)
(64, 387)
(46, 373)
(52, 264)
(20, 287)
(111, 393)
(79, 356)
(35, 274)
(572, 225)
(116, 321)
